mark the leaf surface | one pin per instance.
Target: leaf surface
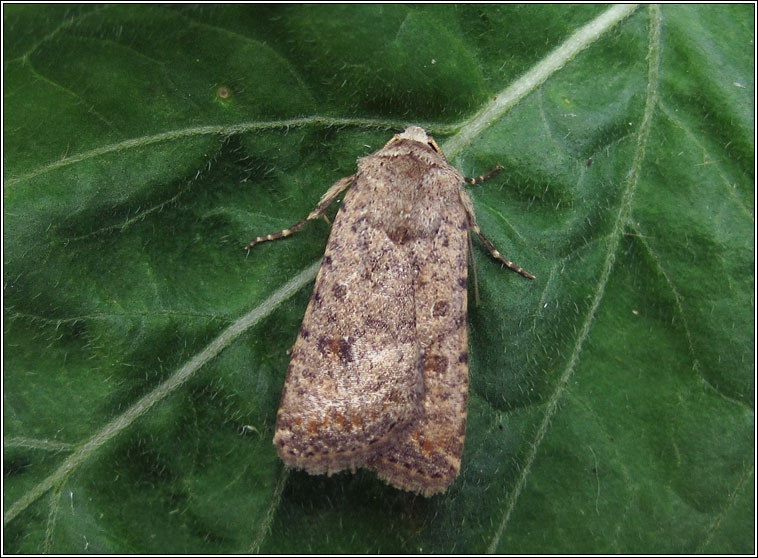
(611, 402)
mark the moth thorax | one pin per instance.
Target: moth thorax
(414, 133)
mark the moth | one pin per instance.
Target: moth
(379, 371)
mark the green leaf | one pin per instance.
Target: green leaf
(611, 406)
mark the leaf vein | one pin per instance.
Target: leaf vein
(85, 450)
(621, 219)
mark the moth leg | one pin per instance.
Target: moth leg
(498, 256)
(487, 176)
(326, 200)
(466, 200)
(473, 267)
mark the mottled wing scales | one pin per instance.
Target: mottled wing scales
(426, 458)
(354, 377)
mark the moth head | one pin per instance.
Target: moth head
(416, 133)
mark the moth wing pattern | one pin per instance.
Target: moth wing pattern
(354, 375)
(427, 457)
(379, 372)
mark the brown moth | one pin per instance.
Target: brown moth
(379, 371)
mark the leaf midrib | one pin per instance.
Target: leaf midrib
(622, 218)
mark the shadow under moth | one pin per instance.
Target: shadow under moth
(379, 371)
